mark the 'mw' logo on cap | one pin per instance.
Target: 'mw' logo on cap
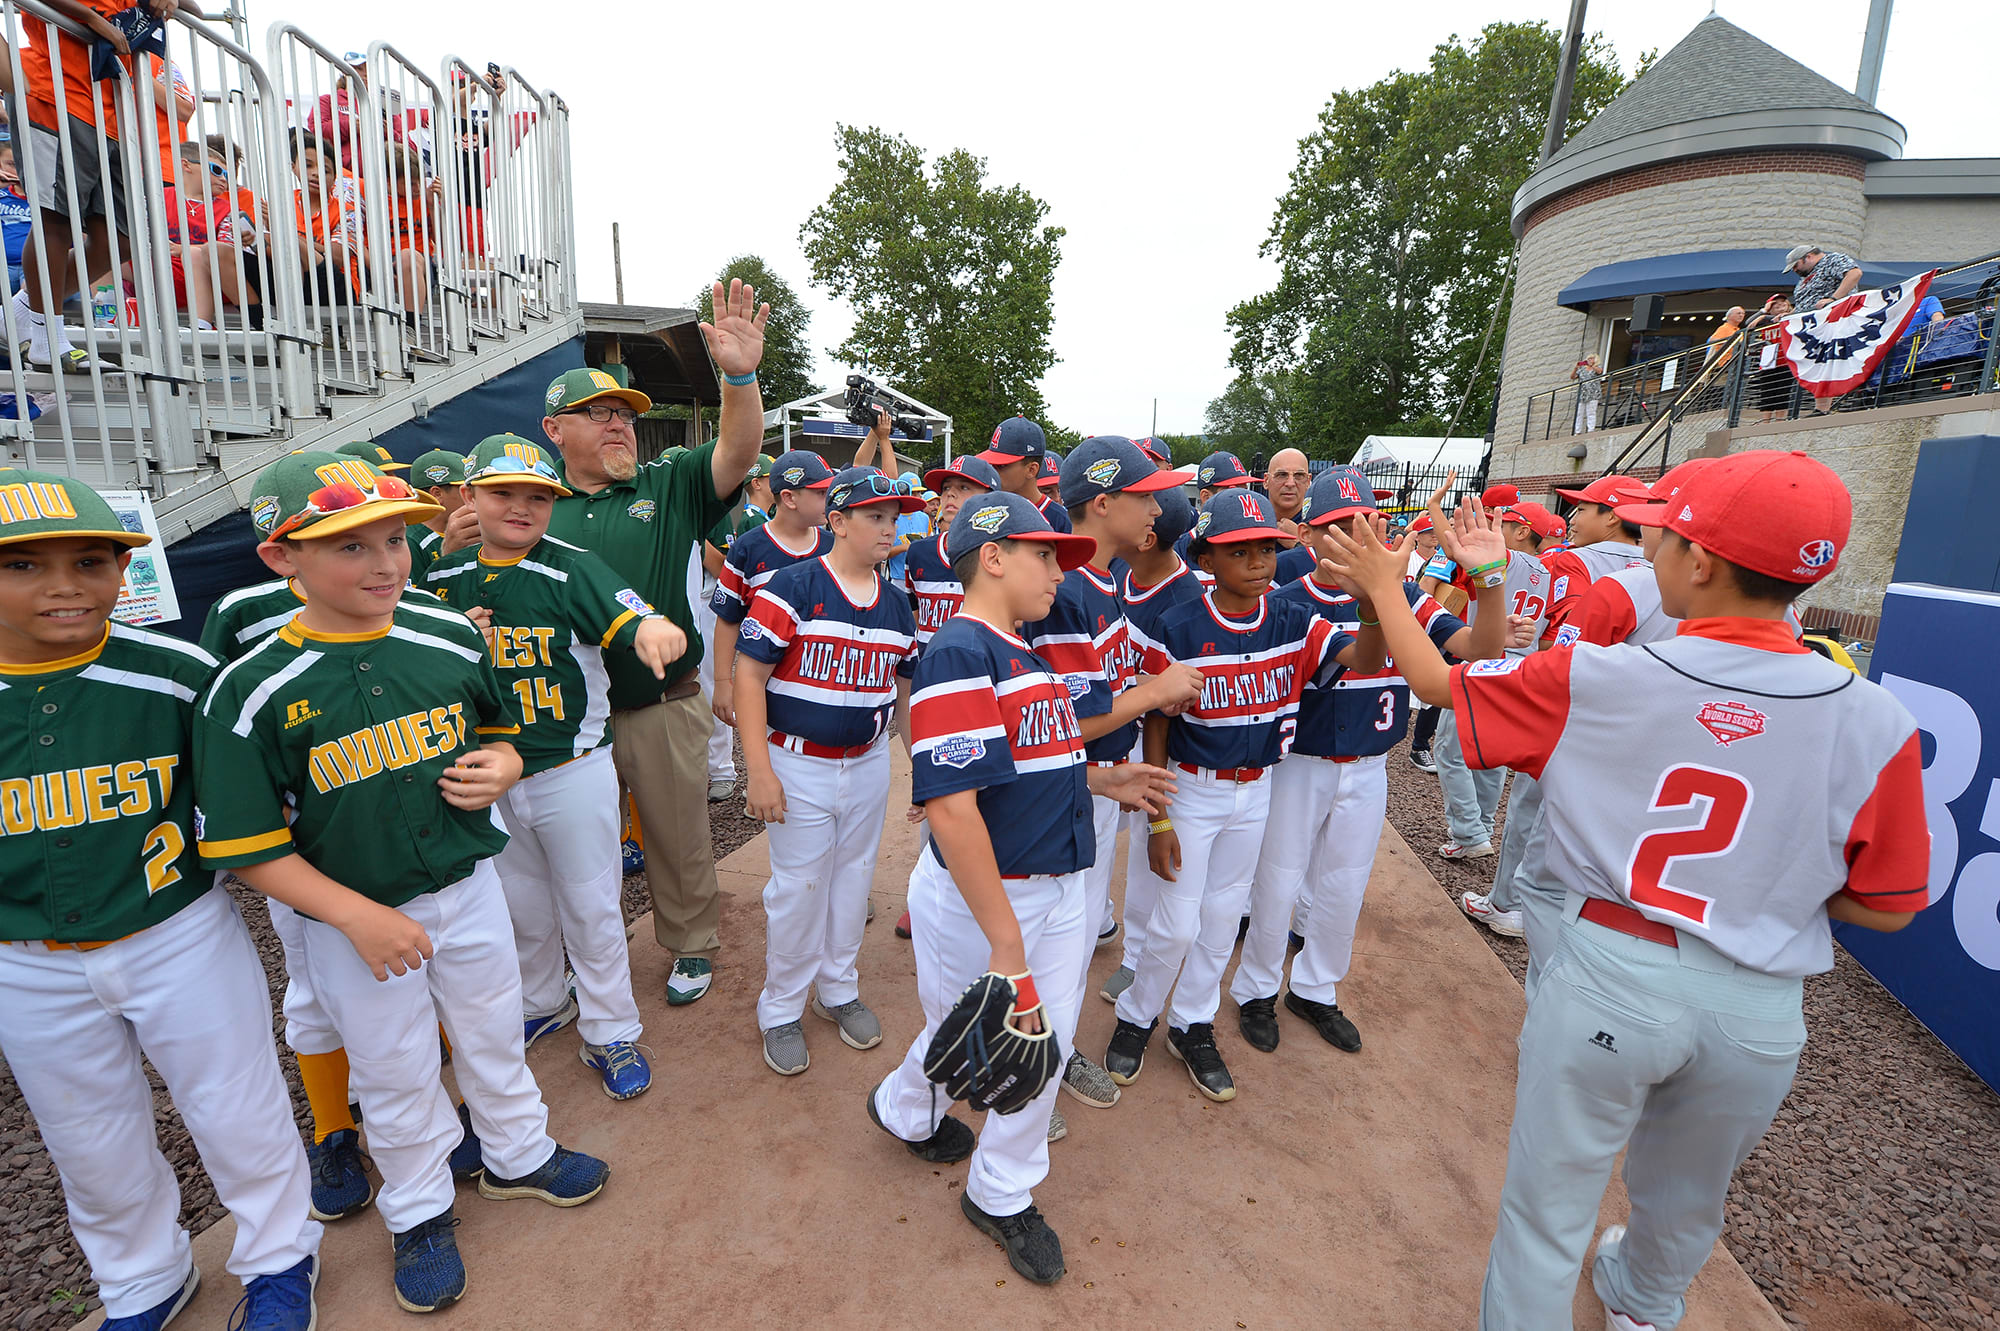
(32, 501)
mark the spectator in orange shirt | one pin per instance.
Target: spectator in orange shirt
(210, 226)
(1718, 341)
(327, 209)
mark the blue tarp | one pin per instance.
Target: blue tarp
(1706, 270)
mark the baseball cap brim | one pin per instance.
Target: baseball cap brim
(1336, 514)
(1160, 480)
(999, 459)
(631, 397)
(1245, 534)
(939, 477)
(1233, 480)
(1072, 551)
(361, 515)
(131, 540)
(905, 503)
(1650, 514)
(1050, 482)
(520, 478)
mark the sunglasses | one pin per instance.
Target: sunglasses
(877, 485)
(508, 465)
(341, 496)
(602, 414)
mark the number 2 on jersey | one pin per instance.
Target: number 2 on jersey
(1724, 801)
(538, 694)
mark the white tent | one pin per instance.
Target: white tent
(1399, 450)
(824, 415)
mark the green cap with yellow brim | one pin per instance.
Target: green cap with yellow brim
(42, 506)
(440, 466)
(310, 494)
(508, 459)
(573, 388)
(381, 457)
(761, 467)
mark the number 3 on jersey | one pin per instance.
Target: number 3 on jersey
(1724, 801)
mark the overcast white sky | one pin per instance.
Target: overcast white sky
(1159, 135)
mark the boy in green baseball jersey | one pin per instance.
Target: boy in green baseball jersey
(555, 610)
(117, 944)
(387, 728)
(438, 474)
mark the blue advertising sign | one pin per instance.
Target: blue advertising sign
(847, 429)
(1936, 652)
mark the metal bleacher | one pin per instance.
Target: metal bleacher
(441, 254)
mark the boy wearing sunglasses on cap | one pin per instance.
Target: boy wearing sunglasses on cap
(555, 610)
(823, 672)
(997, 761)
(347, 766)
(795, 532)
(118, 944)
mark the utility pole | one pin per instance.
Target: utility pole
(1873, 43)
(617, 265)
(1572, 50)
(1156, 418)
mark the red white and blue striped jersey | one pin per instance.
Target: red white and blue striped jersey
(753, 557)
(1253, 670)
(1057, 515)
(987, 714)
(1083, 639)
(1294, 563)
(1145, 607)
(935, 586)
(836, 662)
(1349, 715)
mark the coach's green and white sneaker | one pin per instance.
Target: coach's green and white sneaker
(785, 1050)
(1089, 1082)
(689, 980)
(859, 1028)
(1115, 984)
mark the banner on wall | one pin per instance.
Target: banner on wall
(1935, 652)
(1834, 350)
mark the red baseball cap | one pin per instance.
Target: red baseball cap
(1610, 491)
(1500, 496)
(1422, 522)
(1670, 484)
(1537, 520)
(1784, 515)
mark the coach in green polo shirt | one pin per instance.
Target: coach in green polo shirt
(648, 522)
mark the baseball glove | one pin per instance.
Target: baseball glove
(980, 1056)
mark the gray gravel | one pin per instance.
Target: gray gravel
(1874, 1201)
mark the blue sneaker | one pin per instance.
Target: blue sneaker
(160, 1313)
(281, 1301)
(340, 1185)
(570, 1178)
(429, 1273)
(465, 1158)
(626, 1072)
(534, 1028)
(632, 858)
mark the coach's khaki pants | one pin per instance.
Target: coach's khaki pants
(661, 753)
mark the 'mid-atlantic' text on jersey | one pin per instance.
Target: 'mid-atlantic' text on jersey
(1349, 715)
(358, 729)
(935, 586)
(1726, 782)
(1571, 572)
(835, 662)
(1620, 607)
(753, 557)
(248, 615)
(556, 610)
(97, 789)
(1083, 638)
(1253, 672)
(987, 714)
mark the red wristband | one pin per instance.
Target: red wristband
(1025, 997)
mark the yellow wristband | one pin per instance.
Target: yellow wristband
(1164, 825)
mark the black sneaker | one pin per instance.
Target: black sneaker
(1327, 1018)
(1421, 760)
(1195, 1047)
(1258, 1020)
(952, 1142)
(1126, 1053)
(1032, 1247)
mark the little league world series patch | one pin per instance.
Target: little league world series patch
(954, 750)
(1729, 722)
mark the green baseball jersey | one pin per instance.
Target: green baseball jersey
(96, 793)
(555, 609)
(248, 615)
(356, 729)
(650, 530)
(425, 547)
(734, 523)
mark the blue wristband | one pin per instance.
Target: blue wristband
(740, 380)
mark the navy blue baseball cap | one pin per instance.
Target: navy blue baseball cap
(1243, 515)
(1176, 515)
(1109, 463)
(1154, 449)
(858, 486)
(1005, 516)
(1338, 492)
(1051, 473)
(1222, 469)
(1015, 438)
(964, 467)
(800, 469)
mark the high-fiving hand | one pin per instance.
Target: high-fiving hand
(736, 338)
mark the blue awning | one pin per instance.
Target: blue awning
(1705, 270)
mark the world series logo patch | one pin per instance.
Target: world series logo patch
(1104, 472)
(643, 510)
(793, 475)
(1729, 722)
(988, 520)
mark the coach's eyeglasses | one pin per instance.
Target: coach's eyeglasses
(602, 414)
(508, 465)
(341, 496)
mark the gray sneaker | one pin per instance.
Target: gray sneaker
(1089, 1083)
(785, 1050)
(1058, 1128)
(719, 791)
(858, 1027)
(1115, 984)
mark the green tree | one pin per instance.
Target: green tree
(786, 372)
(1253, 412)
(1393, 238)
(948, 276)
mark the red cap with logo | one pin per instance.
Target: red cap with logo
(1500, 496)
(1537, 520)
(1784, 515)
(1610, 491)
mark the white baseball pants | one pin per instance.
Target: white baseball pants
(189, 994)
(951, 952)
(1141, 884)
(1471, 797)
(1105, 815)
(1192, 929)
(561, 872)
(472, 981)
(721, 758)
(1326, 820)
(822, 866)
(308, 1030)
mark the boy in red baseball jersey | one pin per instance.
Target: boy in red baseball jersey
(1712, 801)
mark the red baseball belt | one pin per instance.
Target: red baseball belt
(1613, 915)
(1236, 774)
